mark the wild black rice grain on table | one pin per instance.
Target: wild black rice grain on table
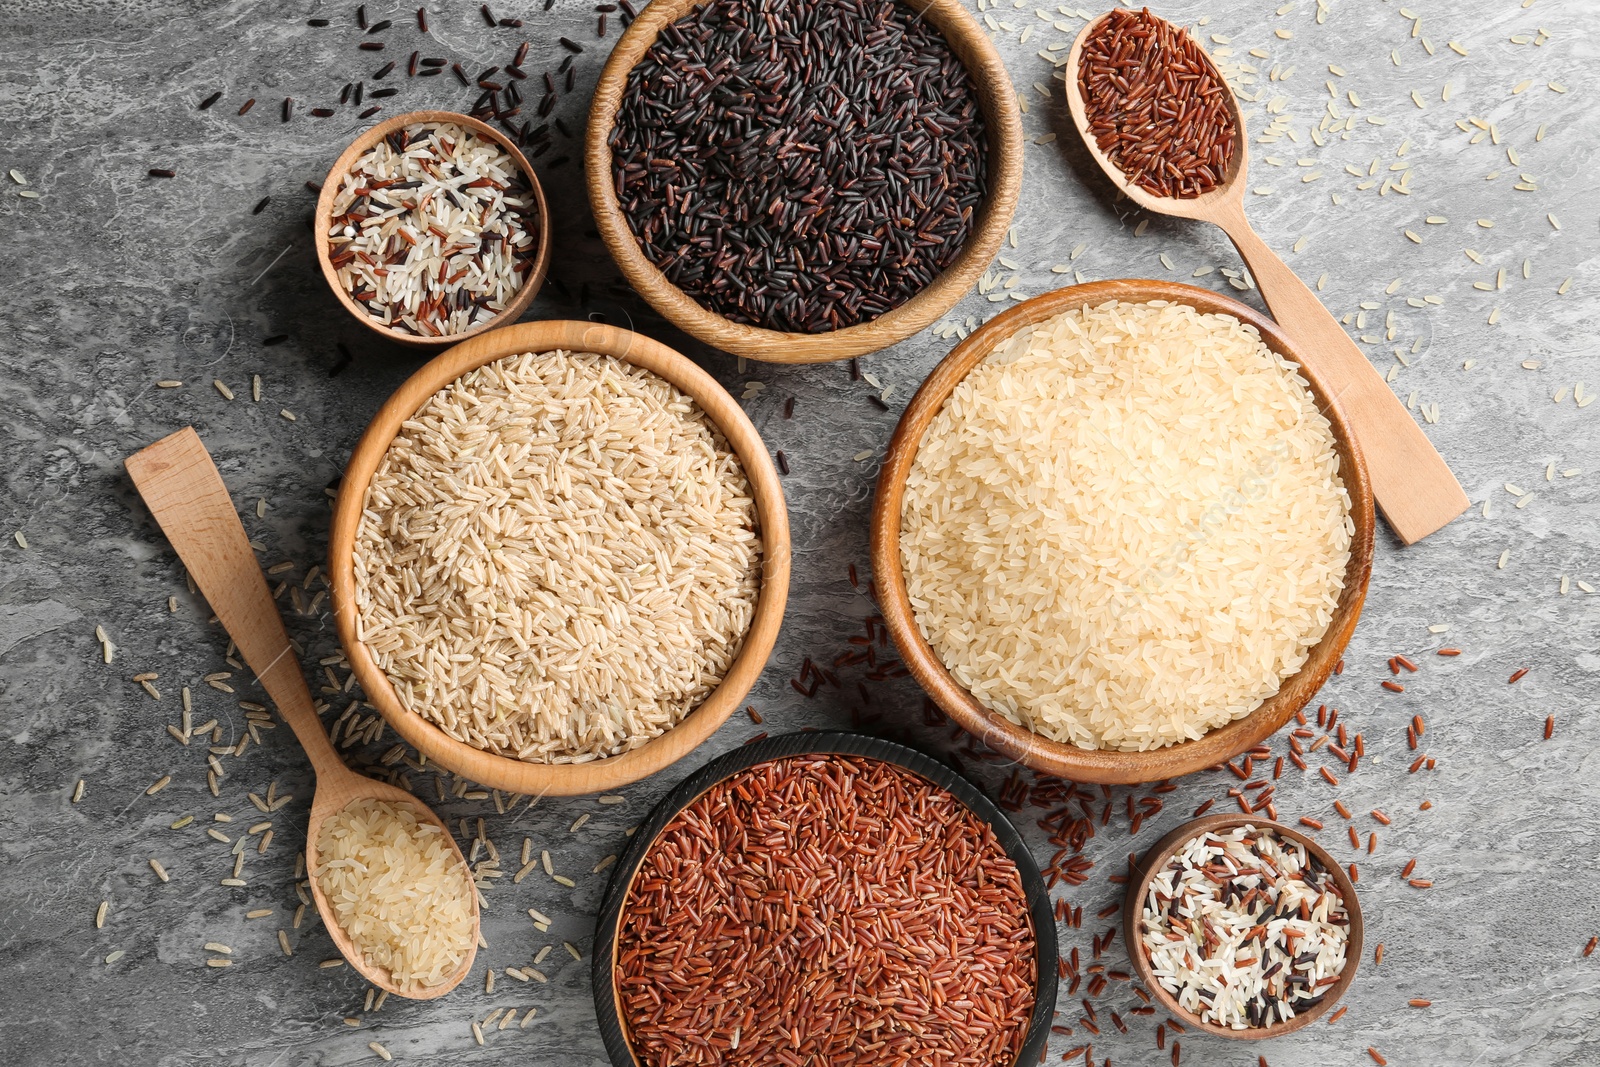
(826, 909)
(802, 165)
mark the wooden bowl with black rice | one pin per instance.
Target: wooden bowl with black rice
(793, 206)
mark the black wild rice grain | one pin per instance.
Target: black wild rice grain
(562, 126)
(316, 22)
(522, 53)
(572, 79)
(379, 27)
(361, 15)
(422, 19)
(783, 462)
(371, 111)
(566, 65)
(378, 94)
(322, 112)
(515, 24)
(247, 105)
(548, 4)
(433, 61)
(212, 99)
(411, 64)
(577, 49)
(315, 187)
(430, 72)
(344, 94)
(383, 71)
(158, 172)
(371, 46)
(288, 108)
(601, 29)
(261, 205)
(460, 74)
(488, 16)
(361, 87)
(802, 165)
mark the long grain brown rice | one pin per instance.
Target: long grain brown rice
(558, 558)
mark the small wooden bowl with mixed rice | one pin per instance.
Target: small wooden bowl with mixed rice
(1010, 607)
(571, 604)
(502, 309)
(1156, 860)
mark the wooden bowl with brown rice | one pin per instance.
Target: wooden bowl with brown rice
(577, 584)
(1041, 624)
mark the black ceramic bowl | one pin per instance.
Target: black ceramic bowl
(618, 1045)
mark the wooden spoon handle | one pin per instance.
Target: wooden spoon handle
(1410, 480)
(184, 492)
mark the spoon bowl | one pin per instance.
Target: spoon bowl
(1230, 192)
(1413, 485)
(187, 497)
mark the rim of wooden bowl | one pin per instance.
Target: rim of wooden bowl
(324, 214)
(612, 772)
(1002, 118)
(1153, 862)
(1018, 742)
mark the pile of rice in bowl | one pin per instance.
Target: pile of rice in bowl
(558, 558)
(1245, 928)
(1126, 526)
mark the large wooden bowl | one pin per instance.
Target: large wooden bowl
(1155, 860)
(324, 215)
(1018, 742)
(564, 779)
(998, 101)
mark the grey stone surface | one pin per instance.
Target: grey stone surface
(115, 281)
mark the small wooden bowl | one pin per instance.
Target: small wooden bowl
(564, 779)
(1018, 742)
(608, 928)
(1154, 861)
(996, 97)
(324, 216)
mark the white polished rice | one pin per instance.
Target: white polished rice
(398, 889)
(558, 558)
(1126, 526)
(1244, 928)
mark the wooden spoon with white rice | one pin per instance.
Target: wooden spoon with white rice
(393, 888)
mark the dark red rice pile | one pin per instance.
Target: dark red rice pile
(1156, 105)
(821, 910)
(802, 165)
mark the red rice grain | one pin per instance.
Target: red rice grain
(823, 909)
(1156, 106)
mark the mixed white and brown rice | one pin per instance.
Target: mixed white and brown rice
(434, 230)
(1245, 928)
